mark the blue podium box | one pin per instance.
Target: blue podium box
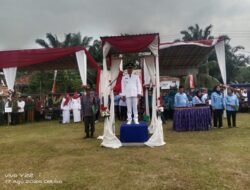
(134, 133)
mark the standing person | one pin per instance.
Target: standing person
(171, 102)
(197, 99)
(231, 105)
(38, 109)
(76, 107)
(2, 107)
(97, 101)
(180, 98)
(21, 113)
(166, 105)
(122, 109)
(116, 104)
(88, 112)
(162, 104)
(65, 107)
(8, 109)
(217, 106)
(204, 97)
(14, 114)
(30, 106)
(131, 91)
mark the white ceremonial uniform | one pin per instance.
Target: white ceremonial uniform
(204, 98)
(131, 88)
(21, 105)
(76, 107)
(66, 111)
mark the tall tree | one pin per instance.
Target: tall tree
(234, 60)
(96, 51)
(70, 78)
(197, 33)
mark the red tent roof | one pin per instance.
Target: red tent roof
(44, 59)
(129, 43)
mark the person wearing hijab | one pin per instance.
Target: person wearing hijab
(204, 97)
(217, 104)
(197, 98)
(76, 107)
(65, 107)
(231, 105)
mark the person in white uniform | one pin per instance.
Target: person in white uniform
(65, 107)
(76, 107)
(131, 91)
(21, 105)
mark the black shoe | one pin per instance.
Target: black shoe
(87, 136)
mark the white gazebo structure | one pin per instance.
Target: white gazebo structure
(114, 46)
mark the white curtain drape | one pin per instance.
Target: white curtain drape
(82, 65)
(10, 76)
(105, 83)
(152, 126)
(108, 139)
(150, 79)
(221, 57)
(146, 73)
(157, 139)
(115, 69)
(220, 53)
(149, 70)
(154, 46)
(146, 102)
(114, 72)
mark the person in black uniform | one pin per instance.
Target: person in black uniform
(88, 112)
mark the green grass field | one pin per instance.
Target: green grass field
(49, 155)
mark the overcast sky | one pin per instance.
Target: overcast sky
(23, 21)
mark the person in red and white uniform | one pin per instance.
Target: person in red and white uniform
(65, 107)
(76, 107)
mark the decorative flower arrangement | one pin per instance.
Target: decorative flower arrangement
(160, 109)
(104, 111)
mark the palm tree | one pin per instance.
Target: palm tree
(96, 51)
(70, 40)
(196, 33)
(53, 41)
(234, 60)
